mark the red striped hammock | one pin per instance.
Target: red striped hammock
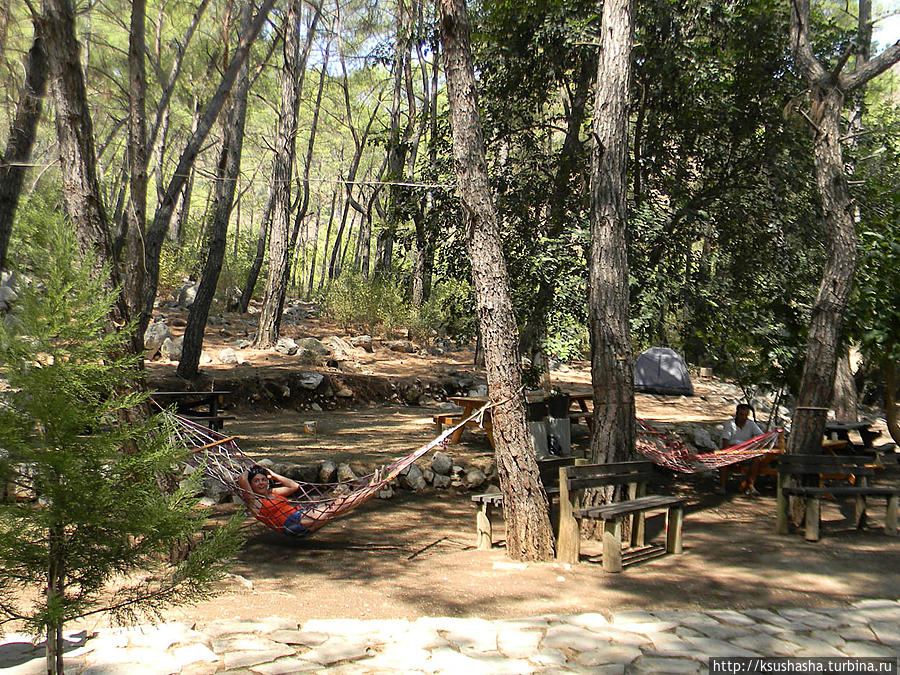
(223, 461)
(669, 452)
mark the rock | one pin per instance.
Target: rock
(228, 355)
(327, 471)
(475, 478)
(7, 295)
(441, 463)
(310, 380)
(344, 392)
(205, 358)
(171, 349)
(386, 492)
(339, 347)
(345, 473)
(402, 346)
(243, 344)
(215, 491)
(413, 479)
(286, 345)
(187, 294)
(313, 345)
(441, 481)
(363, 342)
(316, 407)
(702, 439)
(428, 475)
(154, 336)
(411, 393)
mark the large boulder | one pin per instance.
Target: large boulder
(339, 347)
(154, 337)
(362, 342)
(313, 345)
(171, 349)
(310, 380)
(413, 479)
(441, 463)
(286, 345)
(401, 346)
(187, 294)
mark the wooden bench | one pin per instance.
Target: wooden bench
(549, 472)
(573, 480)
(809, 473)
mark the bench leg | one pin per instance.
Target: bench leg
(612, 545)
(568, 543)
(860, 511)
(484, 533)
(674, 521)
(781, 518)
(638, 528)
(812, 518)
(890, 520)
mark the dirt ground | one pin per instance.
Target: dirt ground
(414, 555)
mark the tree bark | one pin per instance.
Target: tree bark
(21, 139)
(844, 398)
(136, 210)
(827, 94)
(611, 353)
(282, 171)
(525, 506)
(229, 170)
(253, 274)
(81, 189)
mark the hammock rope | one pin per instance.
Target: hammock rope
(223, 461)
(668, 452)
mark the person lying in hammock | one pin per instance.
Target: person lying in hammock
(270, 505)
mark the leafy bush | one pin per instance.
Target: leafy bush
(356, 303)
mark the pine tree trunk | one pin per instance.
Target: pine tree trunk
(81, 189)
(229, 170)
(21, 139)
(611, 352)
(253, 274)
(279, 232)
(525, 506)
(312, 255)
(844, 398)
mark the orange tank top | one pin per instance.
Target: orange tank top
(274, 510)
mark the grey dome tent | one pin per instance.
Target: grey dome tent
(659, 370)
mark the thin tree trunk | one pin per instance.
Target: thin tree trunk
(611, 353)
(279, 233)
(21, 139)
(253, 274)
(312, 255)
(324, 274)
(229, 170)
(525, 505)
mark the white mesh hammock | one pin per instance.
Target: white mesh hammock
(223, 461)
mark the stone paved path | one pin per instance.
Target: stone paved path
(672, 641)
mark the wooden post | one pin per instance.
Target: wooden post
(860, 510)
(781, 518)
(812, 519)
(484, 534)
(890, 520)
(638, 529)
(612, 545)
(568, 541)
(674, 521)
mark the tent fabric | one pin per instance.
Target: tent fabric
(659, 370)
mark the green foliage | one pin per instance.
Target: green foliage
(449, 312)
(355, 303)
(98, 514)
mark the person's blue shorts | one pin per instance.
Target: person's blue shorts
(293, 526)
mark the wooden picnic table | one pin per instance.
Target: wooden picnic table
(200, 406)
(840, 431)
(470, 404)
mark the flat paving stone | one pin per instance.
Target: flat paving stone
(732, 616)
(886, 633)
(708, 647)
(286, 667)
(298, 637)
(519, 643)
(590, 620)
(549, 658)
(669, 666)
(571, 637)
(246, 643)
(186, 654)
(610, 654)
(246, 659)
(863, 649)
(336, 650)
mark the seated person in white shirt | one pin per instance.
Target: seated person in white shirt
(741, 428)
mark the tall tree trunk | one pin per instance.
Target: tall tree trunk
(74, 130)
(844, 398)
(611, 353)
(279, 232)
(827, 94)
(340, 200)
(312, 255)
(229, 170)
(525, 505)
(156, 233)
(21, 139)
(262, 237)
(136, 210)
